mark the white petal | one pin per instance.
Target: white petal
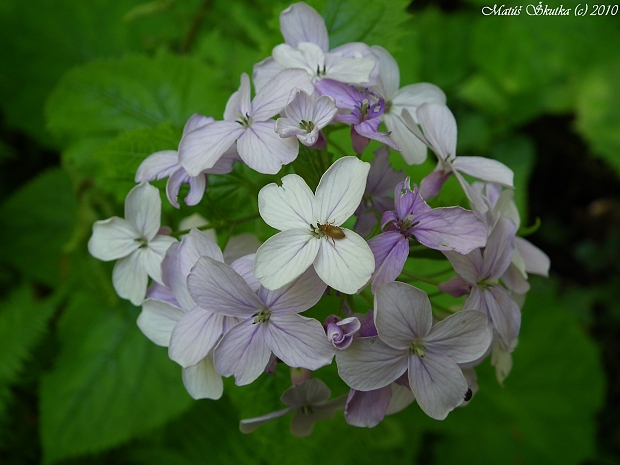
(158, 165)
(154, 254)
(299, 341)
(284, 257)
(263, 150)
(301, 23)
(308, 57)
(143, 209)
(194, 336)
(288, 206)
(112, 239)
(324, 111)
(439, 128)
(349, 70)
(130, 278)
(437, 383)
(202, 381)
(411, 148)
(157, 320)
(340, 190)
(486, 169)
(264, 72)
(297, 296)
(389, 74)
(249, 425)
(414, 95)
(401, 397)
(195, 121)
(346, 264)
(370, 363)
(536, 261)
(239, 102)
(278, 93)
(301, 108)
(402, 314)
(463, 337)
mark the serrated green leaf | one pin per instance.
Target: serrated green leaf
(109, 96)
(35, 223)
(109, 383)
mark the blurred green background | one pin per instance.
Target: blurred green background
(89, 88)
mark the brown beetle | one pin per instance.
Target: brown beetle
(331, 231)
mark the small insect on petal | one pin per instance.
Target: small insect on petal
(468, 395)
(331, 231)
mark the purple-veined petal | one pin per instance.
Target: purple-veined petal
(301, 107)
(345, 96)
(463, 336)
(201, 148)
(302, 423)
(239, 102)
(197, 186)
(503, 311)
(225, 164)
(370, 363)
(152, 256)
(250, 424)
(194, 336)
(263, 150)
(456, 286)
(367, 409)
(312, 391)
(287, 127)
(297, 296)
(196, 121)
(298, 341)
(143, 209)
(278, 92)
(439, 127)
(468, 266)
(536, 261)
(389, 74)
(160, 292)
(402, 314)
(129, 278)
(245, 267)
(243, 352)
(499, 250)
(216, 287)
(174, 185)
(431, 185)
(414, 95)
(301, 23)
(402, 396)
(346, 264)
(308, 57)
(287, 206)
(452, 228)
(437, 383)
(240, 245)
(324, 111)
(284, 257)
(356, 70)
(158, 165)
(475, 198)
(112, 239)
(382, 178)
(157, 320)
(202, 381)
(264, 72)
(340, 190)
(411, 148)
(486, 169)
(369, 129)
(514, 280)
(390, 250)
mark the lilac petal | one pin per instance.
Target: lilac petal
(369, 129)
(486, 169)
(499, 250)
(312, 391)
(514, 280)
(456, 286)
(382, 178)
(297, 296)
(370, 363)
(503, 311)
(225, 164)
(346, 97)
(390, 250)
(201, 148)
(263, 150)
(197, 186)
(153, 255)
(463, 336)
(402, 314)
(160, 292)
(468, 266)
(451, 228)
(288, 127)
(130, 278)
(301, 23)
(158, 165)
(174, 185)
(202, 381)
(302, 423)
(346, 264)
(143, 209)
(536, 261)
(264, 72)
(244, 266)
(194, 336)
(389, 74)
(340, 190)
(359, 142)
(239, 246)
(278, 92)
(112, 239)
(431, 185)
(439, 127)
(250, 424)
(437, 383)
(367, 409)
(196, 121)
(243, 352)
(157, 320)
(324, 111)
(287, 206)
(402, 397)
(301, 108)
(216, 287)
(475, 198)
(298, 341)
(239, 102)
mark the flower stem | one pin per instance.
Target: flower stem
(416, 277)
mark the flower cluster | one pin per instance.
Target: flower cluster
(238, 312)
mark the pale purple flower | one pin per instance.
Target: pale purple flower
(310, 229)
(307, 401)
(478, 275)
(250, 124)
(452, 228)
(364, 112)
(307, 48)
(305, 116)
(134, 242)
(409, 97)
(165, 164)
(379, 194)
(439, 134)
(270, 321)
(409, 342)
(340, 332)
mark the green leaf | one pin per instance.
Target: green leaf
(311, 164)
(23, 320)
(109, 96)
(35, 223)
(109, 383)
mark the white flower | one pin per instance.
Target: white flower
(134, 242)
(311, 232)
(305, 116)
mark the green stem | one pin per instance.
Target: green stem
(192, 32)
(416, 277)
(366, 297)
(221, 223)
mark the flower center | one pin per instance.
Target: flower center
(306, 409)
(262, 316)
(307, 126)
(143, 241)
(320, 72)
(244, 121)
(417, 348)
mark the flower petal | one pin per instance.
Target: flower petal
(278, 93)
(312, 391)
(239, 246)
(390, 250)
(263, 150)
(143, 209)
(158, 165)
(486, 169)
(202, 381)
(389, 74)
(411, 148)
(439, 127)
(157, 320)
(112, 239)
(264, 72)
(503, 311)
(239, 102)
(194, 336)
(536, 261)
(129, 278)
(367, 409)
(153, 255)
(301, 23)
(288, 206)
(463, 336)
(250, 424)
(452, 228)
(297, 296)
(499, 250)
